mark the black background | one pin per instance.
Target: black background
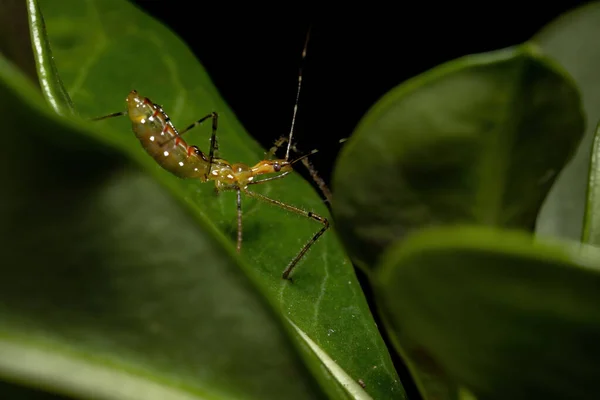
(356, 54)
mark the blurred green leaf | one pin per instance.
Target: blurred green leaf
(478, 140)
(142, 284)
(505, 315)
(572, 40)
(52, 86)
(591, 228)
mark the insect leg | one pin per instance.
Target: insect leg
(277, 145)
(239, 220)
(288, 270)
(308, 165)
(116, 114)
(213, 137)
(318, 180)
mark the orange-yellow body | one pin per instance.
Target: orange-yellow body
(161, 140)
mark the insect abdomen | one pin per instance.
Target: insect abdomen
(161, 141)
(172, 153)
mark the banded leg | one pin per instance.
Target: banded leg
(239, 220)
(288, 270)
(308, 165)
(213, 137)
(318, 180)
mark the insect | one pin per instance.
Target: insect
(161, 140)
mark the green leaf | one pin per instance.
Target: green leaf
(163, 258)
(476, 140)
(591, 228)
(52, 87)
(110, 289)
(572, 40)
(505, 315)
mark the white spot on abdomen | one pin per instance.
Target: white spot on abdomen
(166, 153)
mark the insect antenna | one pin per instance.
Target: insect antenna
(320, 182)
(287, 152)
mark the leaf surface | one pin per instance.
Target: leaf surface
(477, 140)
(506, 315)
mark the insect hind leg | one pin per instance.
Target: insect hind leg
(309, 214)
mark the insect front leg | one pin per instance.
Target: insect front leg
(314, 174)
(276, 146)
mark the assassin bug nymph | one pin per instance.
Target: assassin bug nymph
(165, 144)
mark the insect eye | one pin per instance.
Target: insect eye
(277, 167)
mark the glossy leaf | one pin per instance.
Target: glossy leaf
(103, 49)
(572, 40)
(591, 229)
(86, 309)
(477, 140)
(505, 315)
(52, 86)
